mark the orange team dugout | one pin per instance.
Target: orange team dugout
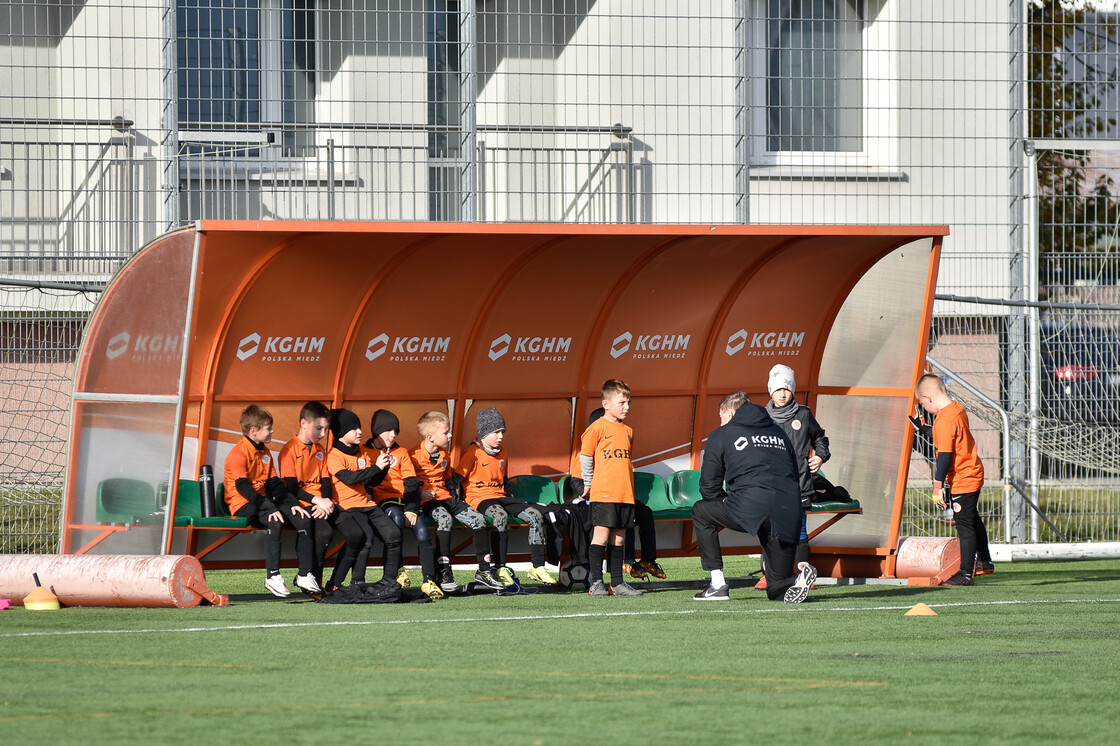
(529, 318)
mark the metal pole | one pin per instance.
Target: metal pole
(742, 113)
(170, 117)
(330, 178)
(629, 143)
(1034, 340)
(1017, 375)
(468, 111)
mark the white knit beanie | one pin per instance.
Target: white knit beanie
(781, 377)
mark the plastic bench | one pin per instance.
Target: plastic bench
(125, 500)
(188, 508)
(651, 490)
(533, 489)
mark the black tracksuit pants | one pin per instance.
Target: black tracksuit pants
(708, 516)
(971, 530)
(358, 526)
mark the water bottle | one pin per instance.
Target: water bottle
(206, 491)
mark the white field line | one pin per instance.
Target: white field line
(541, 617)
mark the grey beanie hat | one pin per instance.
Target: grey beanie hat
(781, 377)
(489, 420)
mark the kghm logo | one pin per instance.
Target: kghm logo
(142, 346)
(281, 349)
(621, 344)
(762, 344)
(531, 349)
(760, 441)
(118, 345)
(499, 346)
(248, 346)
(377, 346)
(409, 349)
(650, 346)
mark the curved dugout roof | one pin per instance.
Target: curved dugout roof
(530, 317)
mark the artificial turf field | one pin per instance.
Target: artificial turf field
(1029, 655)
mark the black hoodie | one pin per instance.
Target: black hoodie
(756, 460)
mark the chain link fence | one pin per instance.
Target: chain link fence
(119, 121)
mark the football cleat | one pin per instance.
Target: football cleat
(958, 579)
(488, 579)
(432, 591)
(447, 579)
(598, 589)
(541, 575)
(653, 569)
(308, 584)
(276, 586)
(624, 589)
(635, 571)
(711, 593)
(983, 568)
(799, 591)
(506, 576)
(402, 578)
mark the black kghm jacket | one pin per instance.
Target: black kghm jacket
(756, 460)
(805, 433)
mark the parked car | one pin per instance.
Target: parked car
(1080, 374)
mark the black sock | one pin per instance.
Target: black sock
(536, 554)
(614, 560)
(595, 558)
(801, 554)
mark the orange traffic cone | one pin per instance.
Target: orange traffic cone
(921, 610)
(40, 599)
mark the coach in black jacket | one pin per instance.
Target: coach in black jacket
(756, 460)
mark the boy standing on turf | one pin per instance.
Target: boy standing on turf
(303, 467)
(255, 492)
(484, 483)
(959, 467)
(357, 517)
(398, 494)
(439, 487)
(647, 531)
(608, 479)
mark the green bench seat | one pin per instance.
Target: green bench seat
(125, 500)
(188, 508)
(652, 491)
(835, 506)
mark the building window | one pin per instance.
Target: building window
(248, 65)
(814, 66)
(442, 37)
(824, 88)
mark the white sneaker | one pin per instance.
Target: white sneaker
(276, 586)
(799, 591)
(308, 583)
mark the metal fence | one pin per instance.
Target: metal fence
(121, 120)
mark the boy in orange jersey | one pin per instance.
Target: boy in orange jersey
(483, 472)
(959, 466)
(647, 530)
(439, 487)
(357, 516)
(608, 479)
(303, 467)
(398, 494)
(255, 492)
